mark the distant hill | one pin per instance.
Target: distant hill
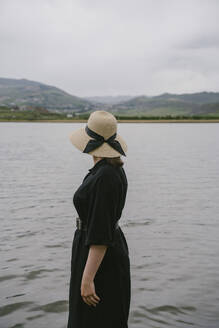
(108, 99)
(24, 92)
(195, 98)
(171, 104)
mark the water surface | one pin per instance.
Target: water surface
(170, 220)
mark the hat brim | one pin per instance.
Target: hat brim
(79, 138)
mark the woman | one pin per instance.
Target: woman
(99, 291)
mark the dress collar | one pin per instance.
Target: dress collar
(97, 164)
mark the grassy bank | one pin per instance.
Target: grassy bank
(42, 115)
(122, 121)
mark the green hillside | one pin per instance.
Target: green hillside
(23, 92)
(171, 104)
(28, 94)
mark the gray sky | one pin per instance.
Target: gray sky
(112, 47)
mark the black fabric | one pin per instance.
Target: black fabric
(99, 201)
(98, 140)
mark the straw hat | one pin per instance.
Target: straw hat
(99, 136)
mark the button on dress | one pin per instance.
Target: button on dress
(99, 202)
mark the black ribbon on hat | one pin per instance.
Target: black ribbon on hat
(98, 140)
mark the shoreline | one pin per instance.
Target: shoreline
(119, 121)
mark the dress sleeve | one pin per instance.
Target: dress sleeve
(102, 216)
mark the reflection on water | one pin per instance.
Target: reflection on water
(170, 222)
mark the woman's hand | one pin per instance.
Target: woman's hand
(95, 256)
(88, 292)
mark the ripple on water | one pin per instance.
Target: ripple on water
(55, 245)
(169, 308)
(17, 295)
(8, 277)
(35, 317)
(161, 314)
(12, 259)
(36, 273)
(54, 307)
(9, 308)
(27, 233)
(18, 325)
(138, 223)
(139, 316)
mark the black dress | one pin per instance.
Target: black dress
(99, 202)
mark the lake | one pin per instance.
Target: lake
(170, 220)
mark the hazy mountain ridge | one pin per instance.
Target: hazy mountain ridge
(108, 99)
(172, 104)
(25, 92)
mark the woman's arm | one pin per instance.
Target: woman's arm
(94, 259)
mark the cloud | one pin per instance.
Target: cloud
(102, 47)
